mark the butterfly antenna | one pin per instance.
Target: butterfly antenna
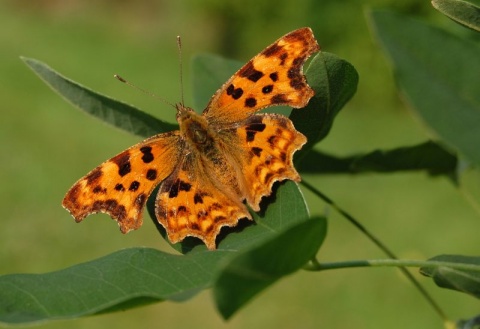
(119, 78)
(180, 67)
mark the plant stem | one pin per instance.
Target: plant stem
(380, 245)
(317, 266)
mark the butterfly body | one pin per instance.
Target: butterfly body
(196, 131)
(217, 162)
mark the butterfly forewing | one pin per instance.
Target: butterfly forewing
(273, 77)
(120, 186)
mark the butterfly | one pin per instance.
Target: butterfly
(217, 162)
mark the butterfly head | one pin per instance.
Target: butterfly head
(193, 126)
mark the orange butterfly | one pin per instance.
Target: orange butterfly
(217, 160)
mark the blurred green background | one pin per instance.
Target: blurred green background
(47, 145)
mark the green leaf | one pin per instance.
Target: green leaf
(463, 280)
(113, 112)
(462, 12)
(285, 206)
(249, 272)
(209, 73)
(137, 276)
(427, 156)
(335, 82)
(439, 75)
(122, 280)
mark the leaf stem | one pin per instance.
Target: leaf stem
(380, 245)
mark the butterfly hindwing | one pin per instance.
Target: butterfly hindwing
(269, 142)
(189, 203)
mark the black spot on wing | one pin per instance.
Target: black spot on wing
(257, 151)
(216, 206)
(197, 198)
(147, 154)
(178, 186)
(236, 93)
(182, 209)
(134, 186)
(267, 177)
(119, 187)
(99, 189)
(249, 72)
(250, 102)
(94, 176)
(184, 186)
(274, 76)
(151, 174)
(173, 193)
(267, 89)
(112, 207)
(272, 140)
(294, 73)
(218, 219)
(272, 50)
(254, 127)
(123, 163)
(279, 99)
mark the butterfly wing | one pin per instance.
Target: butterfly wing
(196, 201)
(121, 186)
(273, 77)
(268, 142)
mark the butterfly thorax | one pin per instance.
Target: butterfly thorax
(195, 130)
